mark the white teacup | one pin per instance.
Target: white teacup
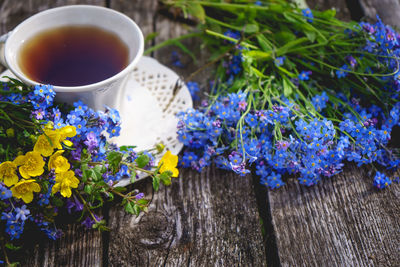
(96, 95)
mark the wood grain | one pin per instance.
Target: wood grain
(207, 219)
(211, 218)
(343, 221)
(141, 11)
(78, 247)
(388, 10)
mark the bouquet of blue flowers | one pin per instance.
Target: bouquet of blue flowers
(297, 93)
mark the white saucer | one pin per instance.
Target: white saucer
(148, 107)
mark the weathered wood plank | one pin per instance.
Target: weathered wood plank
(78, 247)
(207, 219)
(388, 10)
(343, 221)
(141, 11)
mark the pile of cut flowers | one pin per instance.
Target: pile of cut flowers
(55, 159)
(296, 93)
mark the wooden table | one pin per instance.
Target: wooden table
(215, 218)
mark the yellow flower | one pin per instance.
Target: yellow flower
(8, 173)
(67, 131)
(31, 164)
(43, 146)
(24, 189)
(55, 138)
(52, 139)
(58, 162)
(168, 162)
(64, 182)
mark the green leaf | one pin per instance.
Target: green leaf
(136, 209)
(142, 160)
(156, 182)
(311, 35)
(328, 14)
(95, 176)
(264, 43)
(165, 177)
(257, 54)
(257, 72)
(98, 172)
(251, 28)
(11, 246)
(278, 8)
(114, 159)
(15, 81)
(142, 201)
(150, 36)
(88, 189)
(287, 89)
(128, 208)
(197, 10)
(284, 37)
(119, 189)
(101, 225)
(289, 17)
(133, 178)
(282, 50)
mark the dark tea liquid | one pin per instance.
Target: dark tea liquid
(73, 56)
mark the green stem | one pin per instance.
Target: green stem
(87, 206)
(350, 71)
(240, 124)
(221, 4)
(171, 42)
(219, 35)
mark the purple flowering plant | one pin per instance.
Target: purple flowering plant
(297, 93)
(56, 159)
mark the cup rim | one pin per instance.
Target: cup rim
(82, 88)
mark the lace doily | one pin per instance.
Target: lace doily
(153, 95)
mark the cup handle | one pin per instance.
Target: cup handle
(3, 40)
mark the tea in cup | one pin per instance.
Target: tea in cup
(85, 52)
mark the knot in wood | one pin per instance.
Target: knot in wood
(154, 230)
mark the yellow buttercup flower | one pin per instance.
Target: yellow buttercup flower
(168, 162)
(8, 173)
(64, 182)
(24, 189)
(31, 164)
(58, 162)
(43, 146)
(55, 137)
(51, 139)
(67, 131)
